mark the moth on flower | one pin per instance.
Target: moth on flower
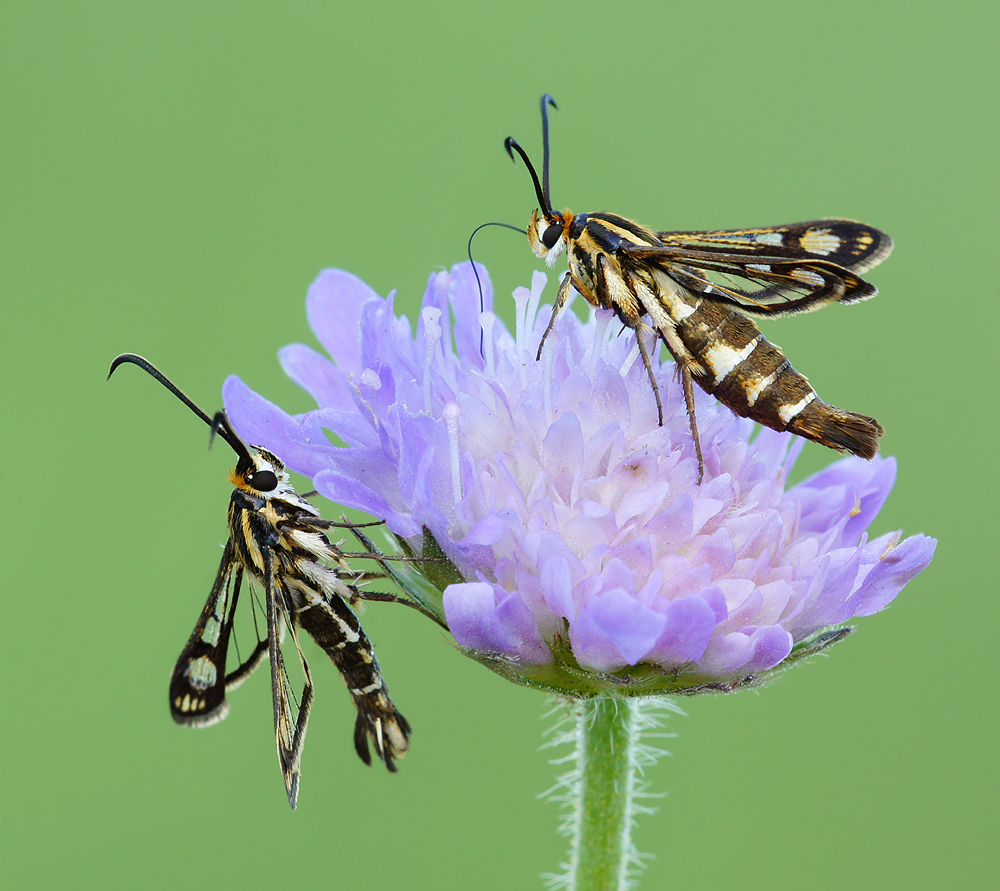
(278, 540)
(692, 290)
(584, 559)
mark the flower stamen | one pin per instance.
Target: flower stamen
(431, 317)
(450, 414)
(602, 318)
(486, 321)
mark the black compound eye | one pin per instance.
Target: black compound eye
(551, 235)
(263, 480)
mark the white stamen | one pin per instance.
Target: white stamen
(450, 414)
(889, 548)
(486, 323)
(538, 282)
(522, 297)
(431, 317)
(602, 318)
(633, 354)
(547, 377)
(370, 378)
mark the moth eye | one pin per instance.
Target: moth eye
(551, 235)
(263, 480)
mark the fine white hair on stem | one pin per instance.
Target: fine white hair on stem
(638, 721)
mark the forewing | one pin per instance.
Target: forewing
(854, 246)
(291, 716)
(199, 682)
(778, 270)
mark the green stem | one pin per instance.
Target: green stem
(603, 789)
(602, 848)
(599, 791)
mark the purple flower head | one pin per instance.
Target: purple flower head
(588, 557)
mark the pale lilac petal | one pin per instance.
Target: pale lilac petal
(333, 306)
(894, 569)
(317, 375)
(690, 623)
(473, 619)
(626, 623)
(478, 622)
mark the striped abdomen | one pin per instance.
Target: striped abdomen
(332, 624)
(750, 375)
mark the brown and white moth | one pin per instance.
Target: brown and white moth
(278, 540)
(693, 288)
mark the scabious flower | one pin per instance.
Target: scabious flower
(588, 557)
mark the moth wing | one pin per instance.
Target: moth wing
(291, 716)
(778, 270)
(849, 244)
(199, 681)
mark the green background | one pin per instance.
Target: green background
(174, 177)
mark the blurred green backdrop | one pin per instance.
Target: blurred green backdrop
(174, 177)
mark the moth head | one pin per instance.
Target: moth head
(260, 473)
(547, 233)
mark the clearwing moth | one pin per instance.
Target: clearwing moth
(277, 540)
(692, 289)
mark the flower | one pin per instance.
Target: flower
(588, 557)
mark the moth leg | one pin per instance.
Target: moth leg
(562, 295)
(683, 364)
(649, 371)
(375, 554)
(688, 383)
(345, 524)
(398, 558)
(384, 597)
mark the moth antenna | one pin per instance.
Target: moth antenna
(475, 272)
(222, 427)
(547, 100)
(512, 145)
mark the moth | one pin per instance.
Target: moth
(693, 290)
(277, 540)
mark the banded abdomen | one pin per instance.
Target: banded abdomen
(320, 610)
(749, 374)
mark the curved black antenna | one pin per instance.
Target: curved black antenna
(547, 100)
(475, 272)
(512, 145)
(223, 426)
(217, 424)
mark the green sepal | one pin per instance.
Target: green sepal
(565, 677)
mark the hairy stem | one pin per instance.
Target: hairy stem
(602, 788)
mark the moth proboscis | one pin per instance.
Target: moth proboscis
(278, 540)
(693, 288)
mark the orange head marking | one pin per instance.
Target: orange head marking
(239, 480)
